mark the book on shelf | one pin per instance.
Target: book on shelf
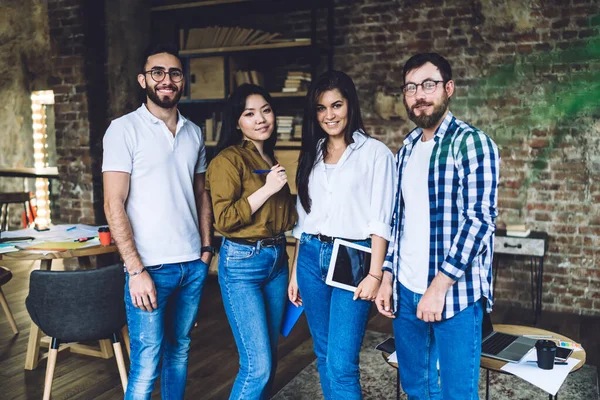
(257, 78)
(518, 230)
(223, 36)
(297, 134)
(250, 76)
(218, 130)
(212, 127)
(299, 75)
(296, 81)
(209, 129)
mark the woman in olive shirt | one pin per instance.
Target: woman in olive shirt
(253, 208)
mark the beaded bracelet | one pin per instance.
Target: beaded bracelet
(375, 276)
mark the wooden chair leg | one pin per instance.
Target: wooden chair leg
(9, 315)
(52, 353)
(125, 334)
(33, 347)
(105, 349)
(120, 361)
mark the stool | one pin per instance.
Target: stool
(5, 276)
(15, 198)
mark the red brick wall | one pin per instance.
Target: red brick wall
(517, 68)
(80, 92)
(71, 109)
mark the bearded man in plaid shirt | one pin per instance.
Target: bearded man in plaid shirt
(437, 273)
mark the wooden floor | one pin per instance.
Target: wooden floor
(213, 359)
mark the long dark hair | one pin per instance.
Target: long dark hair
(236, 103)
(312, 132)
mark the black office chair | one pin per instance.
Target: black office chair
(76, 306)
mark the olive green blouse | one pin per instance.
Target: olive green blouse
(230, 180)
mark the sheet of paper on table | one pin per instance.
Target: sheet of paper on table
(548, 380)
(7, 248)
(56, 233)
(393, 358)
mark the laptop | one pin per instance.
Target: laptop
(503, 346)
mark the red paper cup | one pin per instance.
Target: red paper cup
(104, 235)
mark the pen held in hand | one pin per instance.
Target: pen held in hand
(264, 171)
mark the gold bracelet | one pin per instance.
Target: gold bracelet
(375, 276)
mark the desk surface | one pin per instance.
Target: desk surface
(496, 365)
(33, 255)
(49, 172)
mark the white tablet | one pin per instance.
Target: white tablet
(350, 263)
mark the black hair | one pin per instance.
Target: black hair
(154, 49)
(312, 131)
(236, 103)
(418, 60)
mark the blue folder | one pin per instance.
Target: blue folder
(290, 317)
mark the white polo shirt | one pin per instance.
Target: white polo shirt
(161, 205)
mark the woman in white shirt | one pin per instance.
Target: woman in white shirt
(346, 183)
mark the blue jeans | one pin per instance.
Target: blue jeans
(253, 282)
(337, 323)
(164, 331)
(455, 342)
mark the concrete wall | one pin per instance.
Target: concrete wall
(24, 55)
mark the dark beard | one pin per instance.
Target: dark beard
(166, 103)
(425, 121)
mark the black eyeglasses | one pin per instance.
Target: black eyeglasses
(158, 75)
(429, 86)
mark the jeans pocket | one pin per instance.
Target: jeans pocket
(305, 237)
(236, 252)
(153, 268)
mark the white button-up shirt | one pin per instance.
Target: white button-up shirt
(356, 201)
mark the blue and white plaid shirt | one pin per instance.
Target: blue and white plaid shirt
(463, 187)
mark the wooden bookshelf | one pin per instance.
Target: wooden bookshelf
(275, 95)
(288, 143)
(288, 94)
(232, 49)
(207, 3)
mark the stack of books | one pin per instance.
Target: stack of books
(251, 76)
(517, 230)
(223, 36)
(285, 127)
(296, 81)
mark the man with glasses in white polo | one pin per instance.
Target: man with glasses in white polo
(160, 217)
(438, 269)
